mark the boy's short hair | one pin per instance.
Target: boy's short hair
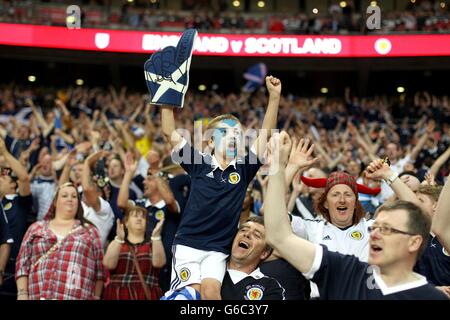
(213, 123)
(432, 191)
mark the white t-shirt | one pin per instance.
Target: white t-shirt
(353, 240)
(103, 219)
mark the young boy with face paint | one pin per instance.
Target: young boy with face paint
(219, 183)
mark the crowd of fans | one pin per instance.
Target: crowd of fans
(105, 148)
(421, 16)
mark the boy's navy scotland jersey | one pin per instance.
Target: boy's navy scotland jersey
(341, 276)
(212, 212)
(434, 263)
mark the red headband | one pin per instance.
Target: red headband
(339, 178)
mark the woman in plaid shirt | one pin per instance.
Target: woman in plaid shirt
(61, 258)
(125, 283)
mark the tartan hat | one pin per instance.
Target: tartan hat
(340, 177)
(337, 177)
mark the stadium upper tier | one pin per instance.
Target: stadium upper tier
(427, 17)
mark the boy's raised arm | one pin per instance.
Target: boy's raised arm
(270, 118)
(168, 126)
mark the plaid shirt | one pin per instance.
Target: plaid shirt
(125, 283)
(70, 272)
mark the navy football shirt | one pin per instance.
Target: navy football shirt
(17, 209)
(211, 215)
(5, 235)
(295, 285)
(434, 263)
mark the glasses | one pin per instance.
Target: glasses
(385, 230)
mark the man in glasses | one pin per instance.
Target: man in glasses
(434, 264)
(397, 238)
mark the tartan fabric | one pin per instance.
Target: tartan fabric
(69, 273)
(339, 177)
(125, 284)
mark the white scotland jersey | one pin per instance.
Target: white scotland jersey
(353, 240)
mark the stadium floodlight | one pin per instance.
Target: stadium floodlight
(79, 82)
(315, 11)
(342, 4)
(71, 19)
(400, 89)
(201, 87)
(130, 1)
(442, 5)
(373, 3)
(261, 4)
(31, 78)
(236, 3)
(324, 90)
(413, 1)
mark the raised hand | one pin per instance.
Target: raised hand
(273, 86)
(279, 149)
(130, 163)
(378, 169)
(429, 178)
(83, 147)
(95, 136)
(158, 228)
(95, 156)
(72, 158)
(29, 102)
(301, 155)
(35, 144)
(120, 230)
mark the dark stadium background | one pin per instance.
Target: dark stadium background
(302, 76)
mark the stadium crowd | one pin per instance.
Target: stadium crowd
(87, 179)
(422, 16)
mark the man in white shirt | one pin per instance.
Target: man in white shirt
(96, 209)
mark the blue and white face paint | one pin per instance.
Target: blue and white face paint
(227, 138)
